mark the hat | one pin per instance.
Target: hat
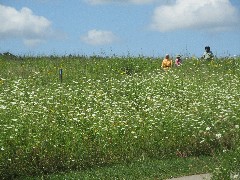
(178, 56)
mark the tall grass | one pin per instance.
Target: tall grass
(111, 110)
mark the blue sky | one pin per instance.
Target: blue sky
(120, 27)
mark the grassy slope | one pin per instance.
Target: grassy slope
(194, 80)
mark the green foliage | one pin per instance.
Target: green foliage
(144, 169)
(113, 110)
(229, 168)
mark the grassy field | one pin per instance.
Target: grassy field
(115, 110)
(142, 170)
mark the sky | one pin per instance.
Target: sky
(120, 27)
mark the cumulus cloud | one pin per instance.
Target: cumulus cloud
(23, 24)
(32, 42)
(99, 37)
(210, 15)
(119, 1)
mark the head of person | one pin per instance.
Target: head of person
(178, 56)
(207, 48)
(167, 56)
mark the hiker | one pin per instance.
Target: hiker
(167, 62)
(178, 60)
(207, 55)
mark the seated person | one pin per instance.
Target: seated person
(178, 60)
(207, 55)
(166, 63)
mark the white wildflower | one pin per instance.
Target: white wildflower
(235, 175)
(3, 107)
(218, 136)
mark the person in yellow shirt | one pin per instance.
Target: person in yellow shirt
(167, 62)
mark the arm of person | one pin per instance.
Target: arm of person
(203, 56)
(163, 64)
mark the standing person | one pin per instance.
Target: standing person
(207, 55)
(178, 60)
(167, 62)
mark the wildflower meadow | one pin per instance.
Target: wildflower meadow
(102, 111)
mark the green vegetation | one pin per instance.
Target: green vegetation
(145, 169)
(110, 111)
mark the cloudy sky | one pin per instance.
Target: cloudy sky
(119, 27)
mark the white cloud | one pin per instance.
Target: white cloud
(119, 1)
(210, 15)
(32, 42)
(99, 37)
(23, 24)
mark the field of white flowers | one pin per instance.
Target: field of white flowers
(110, 110)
